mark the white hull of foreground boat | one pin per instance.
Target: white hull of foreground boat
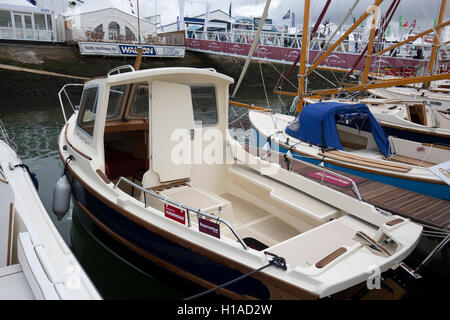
(35, 262)
(187, 217)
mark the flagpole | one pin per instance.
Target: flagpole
(139, 23)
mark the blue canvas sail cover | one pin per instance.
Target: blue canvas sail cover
(316, 124)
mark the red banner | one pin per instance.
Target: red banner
(285, 54)
(174, 213)
(209, 227)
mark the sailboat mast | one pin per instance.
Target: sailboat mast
(302, 74)
(436, 39)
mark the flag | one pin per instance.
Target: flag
(293, 20)
(33, 2)
(413, 24)
(229, 10)
(287, 15)
(400, 21)
(388, 31)
(405, 25)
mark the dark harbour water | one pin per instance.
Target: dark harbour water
(34, 124)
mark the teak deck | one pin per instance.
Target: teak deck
(415, 206)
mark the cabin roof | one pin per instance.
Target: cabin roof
(142, 74)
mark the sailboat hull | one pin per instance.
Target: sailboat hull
(440, 191)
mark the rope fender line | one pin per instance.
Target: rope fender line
(276, 261)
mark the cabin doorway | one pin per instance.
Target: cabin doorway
(417, 114)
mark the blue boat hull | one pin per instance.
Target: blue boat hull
(441, 191)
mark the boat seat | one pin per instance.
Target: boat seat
(311, 247)
(194, 197)
(283, 194)
(119, 163)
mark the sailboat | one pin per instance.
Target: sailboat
(357, 149)
(406, 119)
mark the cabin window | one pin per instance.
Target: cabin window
(204, 104)
(140, 102)
(116, 94)
(88, 109)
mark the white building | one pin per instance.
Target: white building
(87, 22)
(20, 20)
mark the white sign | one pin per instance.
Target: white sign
(118, 49)
(442, 171)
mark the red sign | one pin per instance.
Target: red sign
(330, 178)
(174, 213)
(209, 227)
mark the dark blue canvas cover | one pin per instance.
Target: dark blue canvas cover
(316, 124)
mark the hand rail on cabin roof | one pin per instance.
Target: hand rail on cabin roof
(180, 205)
(117, 69)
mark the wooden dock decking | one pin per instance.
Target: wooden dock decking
(415, 206)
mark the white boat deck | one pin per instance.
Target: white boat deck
(13, 284)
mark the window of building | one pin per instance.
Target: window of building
(116, 94)
(98, 28)
(204, 104)
(88, 110)
(129, 35)
(113, 31)
(5, 19)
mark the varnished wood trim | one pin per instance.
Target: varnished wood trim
(73, 147)
(287, 289)
(394, 222)
(10, 229)
(331, 257)
(3, 181)
(103, 176)
(438, 146)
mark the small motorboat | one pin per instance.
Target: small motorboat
(35, 262)
(347, 137)
(153, 167)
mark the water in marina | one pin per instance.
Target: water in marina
(34, 125)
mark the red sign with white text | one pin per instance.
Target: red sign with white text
(174, 213)
(209, 227)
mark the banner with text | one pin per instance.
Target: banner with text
(118, 49)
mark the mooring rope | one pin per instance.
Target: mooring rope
(276, 261)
